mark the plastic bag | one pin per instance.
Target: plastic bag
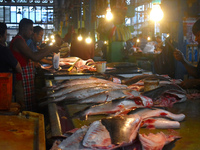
(149, 48)
(56, 60)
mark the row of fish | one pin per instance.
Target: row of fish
(121, 131)
(95, 90)
(127, 111)
(90, 90)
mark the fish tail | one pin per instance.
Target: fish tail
(45, 102)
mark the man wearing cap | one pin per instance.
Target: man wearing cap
(192, 70)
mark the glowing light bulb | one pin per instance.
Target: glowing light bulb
(52, 37)
(53, 41)
(88, 40)
(80, 38)
(148, 38)
(138, 40)
(167, 35)
(47, 39)
(109, 15)
(156, 13)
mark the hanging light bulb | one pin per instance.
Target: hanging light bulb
(52, 37)
(80, 38)
(53, 41)
(148, 38)
(46, 39)
(138, 40)
(156, 13)
(109, 15)
(88, 40)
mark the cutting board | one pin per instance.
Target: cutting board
(22, 132)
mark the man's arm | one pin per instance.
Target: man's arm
(46, 61)
(192, 70)
(18, 68)
(21, 46)
(190, 83)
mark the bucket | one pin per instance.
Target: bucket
(100, 66)
(6, 90)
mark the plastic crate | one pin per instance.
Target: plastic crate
(5, 90)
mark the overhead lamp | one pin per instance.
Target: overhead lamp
(138, 40)
(52, 37)
(109, 15)
(156, 13)
(80, 38)
(148, 38)
(46, 39)
(53, 41)
(88, 40)
(167, 35)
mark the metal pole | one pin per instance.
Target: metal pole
(81, 14)
(90, 14)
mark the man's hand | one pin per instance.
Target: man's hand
(178, 55)
(190, 83)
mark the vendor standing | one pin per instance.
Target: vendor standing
(24, 87)
(8, 63)
(192, 70)
(33, 43)
(80, 48)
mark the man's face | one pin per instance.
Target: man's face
(28, 32)
(197, 37)
(38, 36)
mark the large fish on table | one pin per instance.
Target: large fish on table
(108, 96)
(117, 106)
(68, 83)
(77, 95)
(74, 142)
(122, 129)
(166, 96)
(156, 141)
(145, 113)
(97, 136)
(144, 76)
(160, 123)
(66, 90)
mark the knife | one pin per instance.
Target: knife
(73, 65)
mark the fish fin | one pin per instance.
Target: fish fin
(80, 114)
(46, 102)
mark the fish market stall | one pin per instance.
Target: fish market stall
(87, 110)
(74, 67)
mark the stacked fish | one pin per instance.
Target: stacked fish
(121, 131)
(107, 97)
(165, 95)
(127, 111)
(90, 90)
